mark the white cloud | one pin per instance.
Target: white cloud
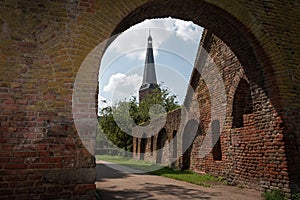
(175, 37)
(103, 102)
(187, 30)
(132, 42)
(113, 82)
(121, 86)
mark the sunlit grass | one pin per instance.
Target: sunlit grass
(187, 176)
(135, 164)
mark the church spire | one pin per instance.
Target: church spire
(149, 68)
(149, 77)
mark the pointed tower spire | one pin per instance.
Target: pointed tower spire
(149, 69)
(149, 77)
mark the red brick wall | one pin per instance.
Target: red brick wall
(252, 151)
(42, 47)
(149, 131)
(44, 43)
(267, 53)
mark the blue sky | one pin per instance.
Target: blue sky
(175, 44)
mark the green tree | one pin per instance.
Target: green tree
(112, 130)
(118, 120)
(160, 97)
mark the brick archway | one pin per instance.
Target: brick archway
(242, 41)
(45, 43)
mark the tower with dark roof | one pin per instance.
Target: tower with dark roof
(149, 77)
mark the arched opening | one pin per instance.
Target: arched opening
(172, 62)
(152, 145)
(143, 146)
(162, 138)
(175, 57)
(241, 41)
(136, 146)
(191, 130)
(174, 44)
(216, 141)
(174, 150)
(242, 104)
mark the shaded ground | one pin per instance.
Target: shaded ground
(116, 182)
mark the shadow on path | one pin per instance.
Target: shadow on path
(104, 172)
(114, 183)
(153, 191)
(139, 186)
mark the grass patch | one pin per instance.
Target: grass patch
(187, 176)
(135, 164)
(296, 196)
(274, 194)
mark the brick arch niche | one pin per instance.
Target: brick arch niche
(143, 146)
(162, 139)
(44, 44)
(242, 103)
(191, 131)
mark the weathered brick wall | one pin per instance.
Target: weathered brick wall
(269, 60)
(252, 140)
(43, 44)
(154, 142)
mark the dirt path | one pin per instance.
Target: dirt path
(114, 183)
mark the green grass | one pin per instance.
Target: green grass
(135, 164)
(296, 196)
(277, 194)
(187, 176)
(274, 194)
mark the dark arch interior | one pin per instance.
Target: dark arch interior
(216, 142)
(242, 103)
(151, 145)
(191, 130)
(162, 138)
(143, 146)
(137, 145)
(174, 134)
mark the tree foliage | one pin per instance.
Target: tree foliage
(112, 130)
(117, 121)
(160, 97)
